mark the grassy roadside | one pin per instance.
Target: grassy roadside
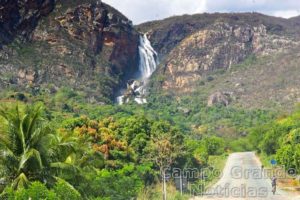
(154, 193)
(265, 159)
(218, 163)
(285, 181)
(213, 171)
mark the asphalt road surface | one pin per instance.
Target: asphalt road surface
(243, 179)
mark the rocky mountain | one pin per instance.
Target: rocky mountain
(168, 33)
(19, 18)
(92, 48)
(83, 45)
(193, 48)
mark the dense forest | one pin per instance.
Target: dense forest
(83, 158)
(119, 152)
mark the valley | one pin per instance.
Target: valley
(95, 107)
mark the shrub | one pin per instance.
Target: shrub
(285, 156)
(36, 191)
(214, 145)
(65, 191)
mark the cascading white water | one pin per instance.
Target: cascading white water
(147, 65)
(148, 57)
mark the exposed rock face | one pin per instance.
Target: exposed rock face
(193, 46)
(217, 47)
(100, 28)
(90, 47)
(19, 18)
(166, 34)
(268, 82)
(85, 45)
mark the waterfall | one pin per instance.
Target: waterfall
(147, 65)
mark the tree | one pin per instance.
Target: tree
(214, 145)
(30, 149)
(285, 156)
(270, 142)
(165, 146)
(297, 157)
(201, 155)
(165, 155)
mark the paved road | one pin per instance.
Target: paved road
(243, 179)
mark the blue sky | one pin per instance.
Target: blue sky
(146, 10)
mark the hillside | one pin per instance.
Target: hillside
(166, 34)
(87, 46)
(90, 48)
(192, 47)
(268, 82)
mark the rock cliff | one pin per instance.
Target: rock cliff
(89, 47)
(83, 45)
(19, 18)
(193, 46)
(219, 46)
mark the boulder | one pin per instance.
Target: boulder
(219, 98)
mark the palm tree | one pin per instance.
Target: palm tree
(29, 148)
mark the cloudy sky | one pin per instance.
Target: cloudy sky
(145, 10)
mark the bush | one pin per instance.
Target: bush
(210, 78)
(297, 157)
(214, 145)
(36, 191)
(201, 155)
(285, 156)
(270, 142)
(121, 184)
(65, 191)
(241, 145)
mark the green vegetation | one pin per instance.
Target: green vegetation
(61, 137)
(279, 140)
(119, 152)
(30, 149)
(61, 191)
(94, 151)
(114, 156)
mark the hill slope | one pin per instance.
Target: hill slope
(191, 48)
(270, 82)
(89, 47)
(83, 45)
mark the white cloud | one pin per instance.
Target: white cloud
(286, 13)
(146, 10)
(253, 5)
